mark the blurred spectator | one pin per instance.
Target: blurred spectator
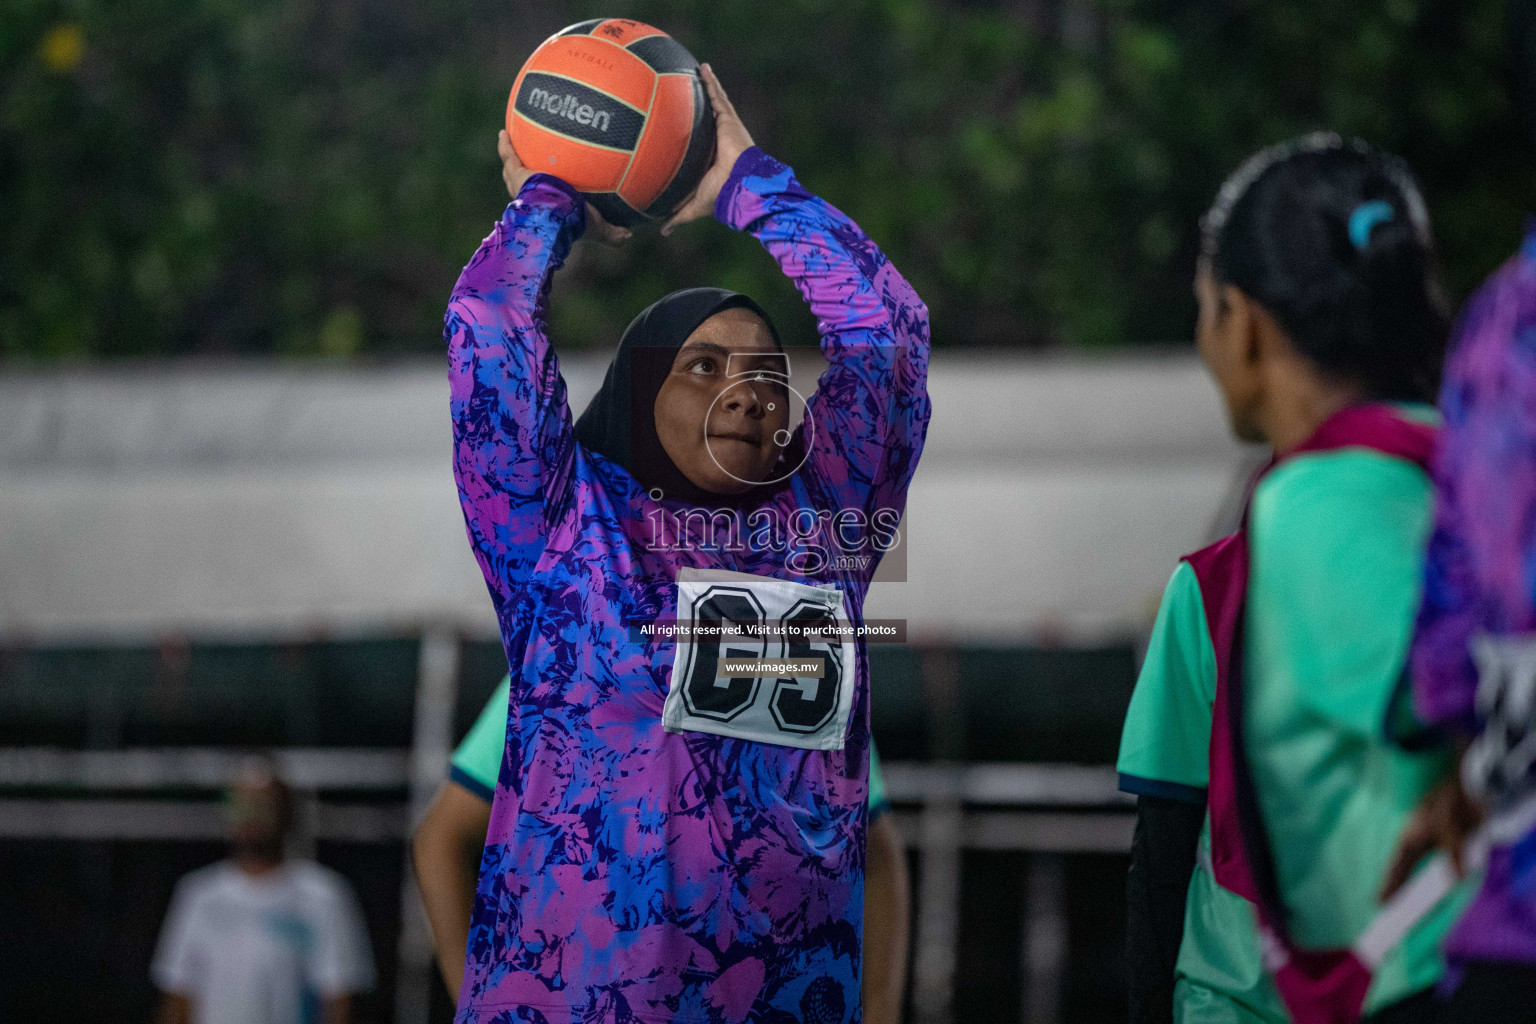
(259, 938)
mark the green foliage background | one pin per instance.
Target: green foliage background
(305, 178)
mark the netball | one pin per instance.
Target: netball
(614, 107)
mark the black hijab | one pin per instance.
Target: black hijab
(639, 368)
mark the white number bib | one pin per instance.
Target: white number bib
(753, 615)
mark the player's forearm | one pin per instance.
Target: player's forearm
(1157, 886)
(872, 401)
(446, 863)
(505, 285)
(336, 1010)
(174, 1009)
(511, 424)
(887, 906)
(849, 284)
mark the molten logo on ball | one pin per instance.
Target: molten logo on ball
(569, 107)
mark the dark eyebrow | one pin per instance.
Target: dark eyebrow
(704, 347)
(751, 360)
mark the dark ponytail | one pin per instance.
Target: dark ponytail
(1332, 238)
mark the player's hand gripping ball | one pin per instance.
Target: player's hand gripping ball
(616, 109)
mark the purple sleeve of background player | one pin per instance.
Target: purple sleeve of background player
(512, 436)
(1482, 553)
(1444, 680)
(871, 409)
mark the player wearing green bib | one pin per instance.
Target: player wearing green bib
(1316, 302)
(1305, 522)
(448, 842)
(1165, 756)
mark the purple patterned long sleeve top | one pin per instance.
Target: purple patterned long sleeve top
(1474, 656)
(656, 850)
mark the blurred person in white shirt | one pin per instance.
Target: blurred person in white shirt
(261, 938)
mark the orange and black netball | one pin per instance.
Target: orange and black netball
(616, 109)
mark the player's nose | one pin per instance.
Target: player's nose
(742, 398)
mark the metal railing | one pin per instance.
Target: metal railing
(942, 810)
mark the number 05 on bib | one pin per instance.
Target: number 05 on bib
(736, 617)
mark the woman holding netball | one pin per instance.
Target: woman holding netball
(1270, 737)
(669, 842)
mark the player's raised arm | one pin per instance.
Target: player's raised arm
(511, 425)
(870, 411)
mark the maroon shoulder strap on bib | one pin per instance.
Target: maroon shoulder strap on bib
(1318, 987)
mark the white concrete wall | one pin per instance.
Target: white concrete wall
(246, 500)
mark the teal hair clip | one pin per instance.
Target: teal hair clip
(1365, 218)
